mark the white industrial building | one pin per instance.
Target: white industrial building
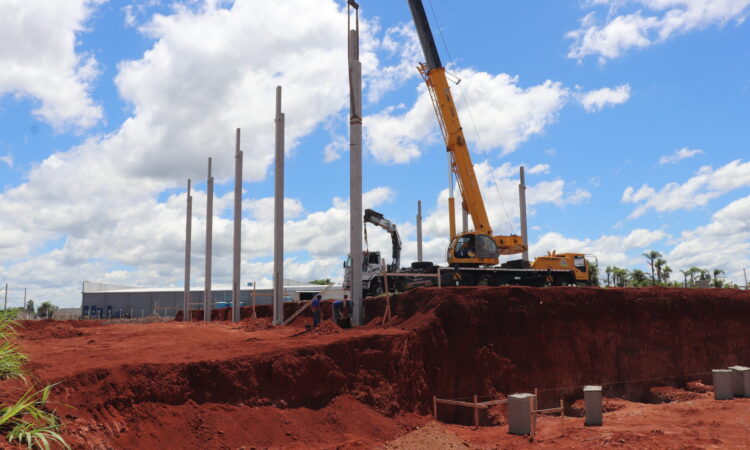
(105, 300)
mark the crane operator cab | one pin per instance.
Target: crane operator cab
(472, 249)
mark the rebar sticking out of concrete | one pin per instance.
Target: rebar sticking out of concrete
(355, 164)
(278, 217)
(207, 300)
(237, 230)
(188, 238)
(522, 207)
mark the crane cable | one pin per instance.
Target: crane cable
(473, 122)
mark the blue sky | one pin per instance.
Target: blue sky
(631, 116)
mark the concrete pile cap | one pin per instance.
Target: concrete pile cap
(739, 368)
(592, 389)
(722, 371)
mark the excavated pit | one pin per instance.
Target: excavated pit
(449, 342)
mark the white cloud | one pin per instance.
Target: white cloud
(505, 114)
(7, 159)
(724, 243)
(663, 20)
(539, 169)
(334, 149)
(40, 61)
(706, 184)
(679, 155)
(593, 101)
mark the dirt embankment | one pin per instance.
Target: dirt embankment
(452, 342)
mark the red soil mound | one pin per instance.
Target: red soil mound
(452, 342)
(60, 329)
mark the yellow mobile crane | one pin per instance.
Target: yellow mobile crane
(475, 254)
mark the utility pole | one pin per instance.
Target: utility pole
(278, 217)
(237, 229)
(419, 230)
(355, 162)
(522, 207)
(24, 302)
(207, 300)
(188, 237)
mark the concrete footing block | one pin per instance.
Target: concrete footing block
(592, 399)
(740, 381)
(723, 384)
(519, 413)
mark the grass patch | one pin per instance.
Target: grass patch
(27, 421)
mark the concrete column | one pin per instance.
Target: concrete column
(237, 230)
(451, 201)
(355, 167)
(188, 238)
(723, 384)
(522, 207)
(519, 413)
(740, 377)
(278, 217)
(592, 399)
(419, 230)
(207, 301)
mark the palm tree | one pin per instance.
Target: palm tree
(652, 256)
(659, 265)
(693, 272)
(666, 271)
(638, 278)
(608, 271)
(685, 273)
(718, 282)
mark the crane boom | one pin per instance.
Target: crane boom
(461, 165)
(378, 219)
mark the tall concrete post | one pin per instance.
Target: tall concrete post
(451, 202)
(278, 217)
(355, 164)
(419, 230)
(24, 302)
(188, 238)
(522, 206)
(207, 300)
(237, 230)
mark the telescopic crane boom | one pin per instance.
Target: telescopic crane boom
(477, 247)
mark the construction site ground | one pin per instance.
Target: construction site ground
(222, 385)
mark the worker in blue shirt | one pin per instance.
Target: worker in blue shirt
(342, 312)
(315, 305)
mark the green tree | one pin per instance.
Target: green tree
(693, 273)
(322, 281)
(608, 271)
(666, 271)
(594, 271)
(718, 274)
(659, 266)
(651, 257)
(46, 310)
(638, 278)
(30, 307)
(620, 276)
(685, 274)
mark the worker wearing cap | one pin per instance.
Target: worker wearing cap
(315, 306)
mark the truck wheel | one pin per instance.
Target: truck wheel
(484, 280)
(376, 287)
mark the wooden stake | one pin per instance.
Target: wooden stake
(476, 413)
(532, 420)
(562, 417)
(434, 407)
(536, 407)
(387, 313)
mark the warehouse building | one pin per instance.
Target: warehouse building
(114, 301)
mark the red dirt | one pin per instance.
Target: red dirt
(177, 385)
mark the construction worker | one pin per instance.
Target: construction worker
(315, 306)
(342, 312)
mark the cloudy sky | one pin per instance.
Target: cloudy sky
(631, 117)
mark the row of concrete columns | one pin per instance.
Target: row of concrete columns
(237, 233)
